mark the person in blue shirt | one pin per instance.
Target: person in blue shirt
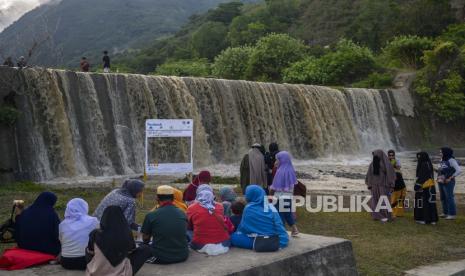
(448, 170)
(259, 218)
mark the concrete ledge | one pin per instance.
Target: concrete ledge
(455, 268)
(306, 255)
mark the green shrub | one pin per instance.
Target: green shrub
(407, 51)
(375, 80)
(183, 68)
(272, 54)
(232, 63)
(454, 33)
(8, 115)
(441, 83)
(306, 71)
(348, 63)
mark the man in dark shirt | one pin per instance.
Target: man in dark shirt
(167, 225)
(106, 62)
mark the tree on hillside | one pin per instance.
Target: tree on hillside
(246, 30)
(225, 12)
(375, 23)
(272, 54)
(232, 63)
(209, 40)
(407, 51)
(425, 17)
(441, 83)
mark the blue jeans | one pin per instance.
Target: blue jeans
(241, 240)
(286, 216)
(447, 198)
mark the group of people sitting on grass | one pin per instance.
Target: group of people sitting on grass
(104, 244)
(384, 179)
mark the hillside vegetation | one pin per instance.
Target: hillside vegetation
(361, 43)
(69, 29)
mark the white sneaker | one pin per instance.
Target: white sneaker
(420, 222)
(433, 223)
(383, 220)
(450, 217)
(442, 215)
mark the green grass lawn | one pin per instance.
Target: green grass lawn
(380, 249)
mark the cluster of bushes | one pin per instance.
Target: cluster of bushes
(275, 40)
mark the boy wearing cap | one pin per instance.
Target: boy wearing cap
(167, 225)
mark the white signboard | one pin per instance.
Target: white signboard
(168, 131)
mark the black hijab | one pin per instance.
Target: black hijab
(114, 238)
(376, 164)
(132, 187)
(37, 226)
(447, 153)
(423, 161)
(273, 148)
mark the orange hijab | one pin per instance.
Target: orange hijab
(178, 202)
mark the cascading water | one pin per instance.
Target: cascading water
(80, 124)
(370, 117)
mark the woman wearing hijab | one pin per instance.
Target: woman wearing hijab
(253, 168)
(178, 201)
(190, 192)
(400, 191)
(259, 218)
(36, 228)
(380, 181)
(283, 188)
(74, 234)
(270, 160)
(125, 198)
(112, 250)
(205, 218)
(448, 170)
(425, 211)
(228, 197)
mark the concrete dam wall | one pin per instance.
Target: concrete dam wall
(86, 124)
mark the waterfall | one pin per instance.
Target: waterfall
(80, 124)
(370, 116)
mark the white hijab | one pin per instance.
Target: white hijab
(76, 216)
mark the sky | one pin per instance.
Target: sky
(11, 10)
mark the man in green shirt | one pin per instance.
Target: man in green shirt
(167, 225)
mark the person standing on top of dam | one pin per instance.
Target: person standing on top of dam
(253, 168)
(9, 62)
(106, 62)
(380, 180)
(84, 64)
(270, 160)
(448, 170)
(22, 62)
(400, 191)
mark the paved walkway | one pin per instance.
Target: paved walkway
(455, 268)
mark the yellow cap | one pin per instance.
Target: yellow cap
(165, 190)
